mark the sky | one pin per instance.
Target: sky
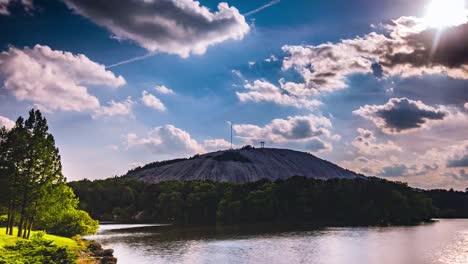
(378, 87)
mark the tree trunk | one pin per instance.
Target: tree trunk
(9, 215)
(27, 223)
(12, 222)
(11, 208)
(23, 212)
(8, 220)
(25, 226)
(30, 227)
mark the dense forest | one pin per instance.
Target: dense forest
(370, 201)
(449, 204)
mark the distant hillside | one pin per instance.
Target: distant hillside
(242, 165)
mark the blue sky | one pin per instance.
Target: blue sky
(354, 82)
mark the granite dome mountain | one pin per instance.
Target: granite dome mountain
(242, 165)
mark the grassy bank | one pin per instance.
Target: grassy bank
(79, 251)
(6, 240)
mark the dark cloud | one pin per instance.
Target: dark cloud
(433, 47)
(395, 170)
(461, 175)
(317, 145)
(178, 27)
(404, 170)
(458, 162)
(401, 115)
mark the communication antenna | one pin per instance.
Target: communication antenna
(262, 144)
(231, 135)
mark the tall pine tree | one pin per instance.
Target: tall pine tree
(30, 163)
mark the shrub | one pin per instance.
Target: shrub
(74, 222)
(37, 250)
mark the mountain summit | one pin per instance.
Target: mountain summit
(242, 165)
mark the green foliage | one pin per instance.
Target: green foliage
(35, 251)
(59, 215)
(74, 222)
(369, 201)
(32, 187)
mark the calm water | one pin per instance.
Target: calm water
(445, 241)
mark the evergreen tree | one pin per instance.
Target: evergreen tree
(31, 169)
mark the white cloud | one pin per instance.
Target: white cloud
(405, 50)
(152, 101)
(457, 155)
(263, 91)
(54, 80)
(466, 106)
(272, 58)
(216, 144)
(114, 108)
(181, 27)
(163, 89)
(6, 122)
(251, 64)
(366, 143)
(305, 130)
(168, 141)
(237, 73)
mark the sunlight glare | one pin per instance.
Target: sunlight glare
(445, 13)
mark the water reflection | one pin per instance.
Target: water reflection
(443, 242)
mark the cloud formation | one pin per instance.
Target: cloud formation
(6, 122)
(263, 91)
(163, 89)
(306, 130)
(170, 141)
(404, 170)
(407, 48)
(216, 144)
(458, 156)
(166, 140)
(181, 27)
(114, 108)
(400, 115)
(54, 80)
(366, 143)
(5, 5)
(152, 101)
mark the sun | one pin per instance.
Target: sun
(445, 13)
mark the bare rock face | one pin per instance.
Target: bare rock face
(242, 165)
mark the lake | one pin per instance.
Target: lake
(445, 241)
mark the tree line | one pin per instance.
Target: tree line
(370, 201)
(33, 190)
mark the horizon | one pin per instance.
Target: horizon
(376, 88)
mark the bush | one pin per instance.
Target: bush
(37, 250)
(74, 222)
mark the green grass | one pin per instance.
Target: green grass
(58, 240)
